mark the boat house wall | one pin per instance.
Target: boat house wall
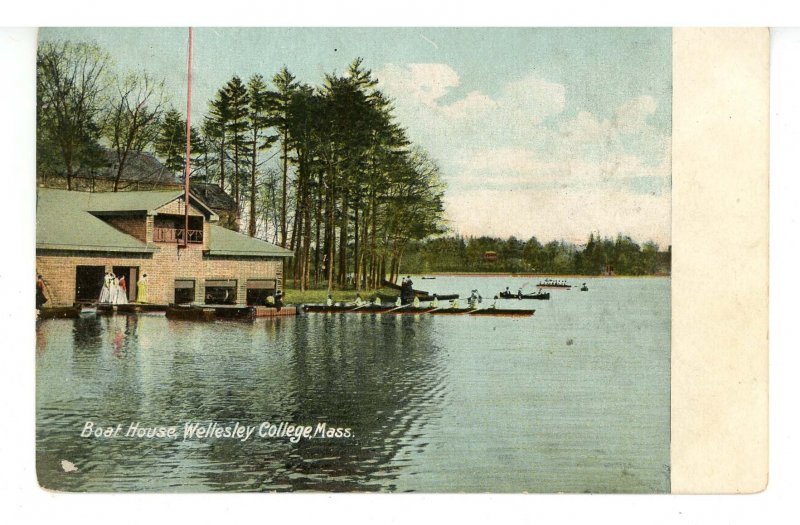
(166, 263)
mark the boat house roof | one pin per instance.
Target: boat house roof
(69, 220)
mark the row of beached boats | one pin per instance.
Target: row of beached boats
(414, 310)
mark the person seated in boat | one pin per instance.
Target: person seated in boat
(376, 301)
(472, 302)
(399, 302)
(435, 302)
(270, 301)
(279, 298)
(415, 302)
(519, 293)
(359, 301)
(494, 304)
(329, 300)
(454, 303)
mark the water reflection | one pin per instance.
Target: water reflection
(446, 403)
(380, 376)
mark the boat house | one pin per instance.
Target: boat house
(80, 236)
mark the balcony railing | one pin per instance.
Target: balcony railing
(176, 235)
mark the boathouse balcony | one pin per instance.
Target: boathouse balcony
(176, 235)
(170, 229)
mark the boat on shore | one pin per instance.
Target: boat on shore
(65, 312)
(451, 311)
(322, 308)
(408, 309)
(541, 295)
(507, 312)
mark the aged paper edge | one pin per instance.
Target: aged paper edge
(720, 234)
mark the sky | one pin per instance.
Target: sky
(547, 132)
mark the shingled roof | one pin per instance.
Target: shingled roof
(229, 242)
(215, 197)
(65, 220)
(140, 166)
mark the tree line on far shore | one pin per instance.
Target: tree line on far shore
(323, 170)
(620, 256)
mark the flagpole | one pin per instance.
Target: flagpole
(188, 145)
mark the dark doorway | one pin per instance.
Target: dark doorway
(88, 283)
(131, 274)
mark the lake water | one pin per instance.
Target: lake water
(573, 399)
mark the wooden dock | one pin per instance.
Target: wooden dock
(212, 312)
(107, 309)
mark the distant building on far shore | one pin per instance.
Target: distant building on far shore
(489, 256)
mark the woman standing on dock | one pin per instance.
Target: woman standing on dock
(141, 289)
(122, 291)
(105, 292)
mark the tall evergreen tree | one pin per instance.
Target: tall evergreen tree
(259, 120)
(285, 86)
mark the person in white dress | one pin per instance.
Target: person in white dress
(122, 291)
(113, 288)
(105, 292)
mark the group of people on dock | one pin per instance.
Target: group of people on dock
(115, 289)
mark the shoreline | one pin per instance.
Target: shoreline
(542, 275)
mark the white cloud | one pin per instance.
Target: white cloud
(553, 214)
(510, 173)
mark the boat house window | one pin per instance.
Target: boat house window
(259, 289)
(220, 291)
(184, 291)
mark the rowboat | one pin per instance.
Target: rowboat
(554, 285)
(451, 311)
(509, 295)
(411, 310)
(321, 308)
(507, 312)
(68, 312)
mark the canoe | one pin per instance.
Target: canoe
(542, 296)
(64, 312)
(321, 308)
(449, 297)
(451, 311)
(411, 310)
(507, 312)
(372, 309)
